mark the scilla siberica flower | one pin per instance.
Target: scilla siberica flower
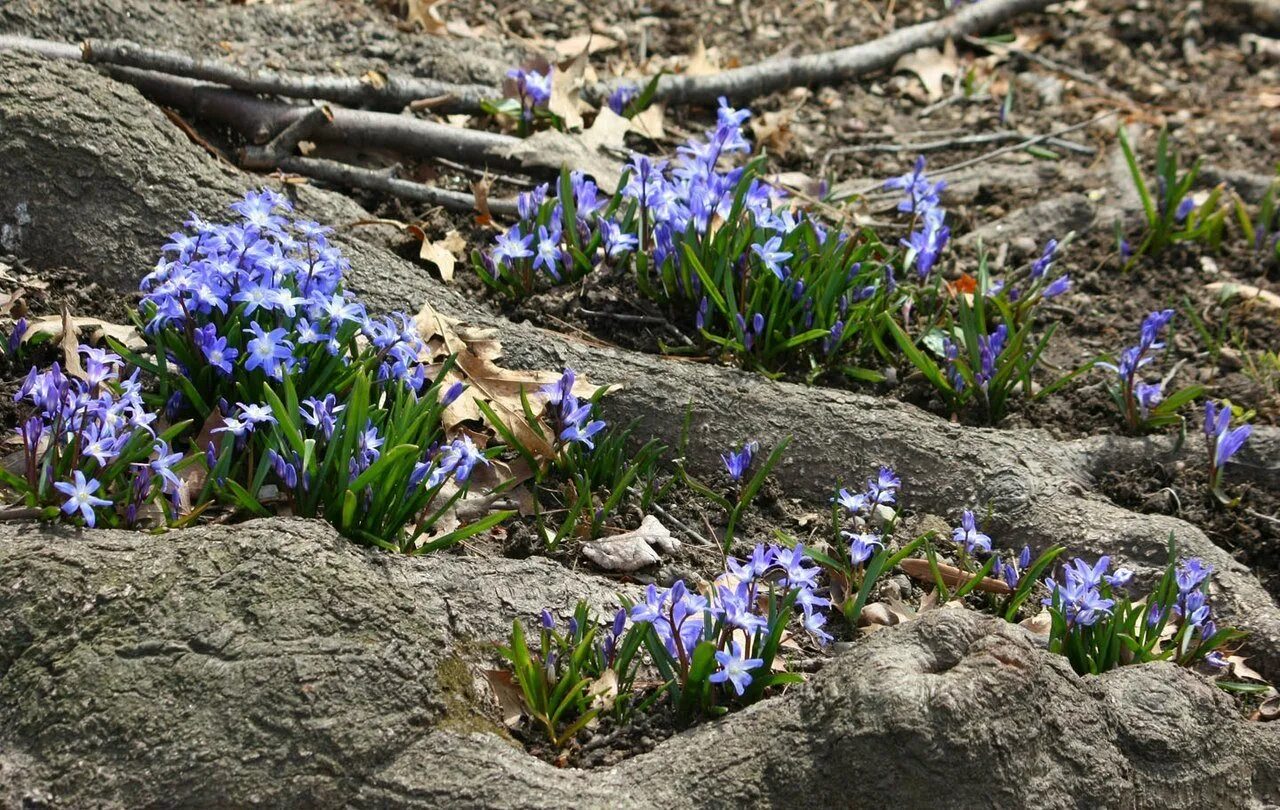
(572, 420)
(882, 491)
(1078, 596)
(532, 85)
(80, 497)
(281, 283)
(1222, 441)
(968, 536)
(737, 463)
(735, 668)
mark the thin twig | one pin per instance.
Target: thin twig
(654, 320)
(1004, 150)
(342, 174)
(1046, 62)
(1000, 136)
(672, 519)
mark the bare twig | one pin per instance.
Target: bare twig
(1001, 136)
(383, 92)
(774, 75)
(342, 174)
(1057, 67)
(283, 144)
(1014, 147)
(654, 320)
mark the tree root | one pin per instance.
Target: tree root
(1038, 490)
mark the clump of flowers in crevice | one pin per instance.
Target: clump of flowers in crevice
(263, 386)
(728, 257)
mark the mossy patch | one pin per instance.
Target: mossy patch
(462, 710)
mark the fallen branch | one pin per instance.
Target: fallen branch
(388, 92)
(1002, 136)
(342, 174)
(773, 75)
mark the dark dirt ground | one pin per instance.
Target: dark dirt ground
(1156, 62)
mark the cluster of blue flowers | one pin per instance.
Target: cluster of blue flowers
(268, 293)
(252, 313)
(737, 614)
(923, 201)
(1140, 396)
(570, 418)
(92, 436)
(1192, 606)
(1078, 594)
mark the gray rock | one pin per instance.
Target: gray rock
(276, 664)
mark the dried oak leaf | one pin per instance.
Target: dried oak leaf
(552, 149)
(477, 351)
(951, 576)
(427, 14)
(931, 66)
(443, 253)
(55, 326)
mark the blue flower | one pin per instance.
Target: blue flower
(268, 351)
(80, 497)
(548, 254)
(735, 668)
(621, 96)
(458, 458)
(1057, 287)
(512, 245)
(862, 546)
(1223, 442)
(772, 255)
(737, 463)
(1042, 265)
(922, 194)
(967, 535)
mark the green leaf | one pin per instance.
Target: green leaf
(918, 358)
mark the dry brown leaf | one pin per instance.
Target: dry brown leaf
(552, 149)
(564, 92)
(1246, 292)
(95, 328)
(773, 130)
(589, 43)
(1040, 624)
(604, 691)
(1242, 670)
(427, 14)
(70, 346)
(877, 613)
(374, 79)
(476, 351)
(480, 188)
(649, 123)
(702, 62)
(444, 253)
(951, 576)
(508, 695)
(931, 66)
